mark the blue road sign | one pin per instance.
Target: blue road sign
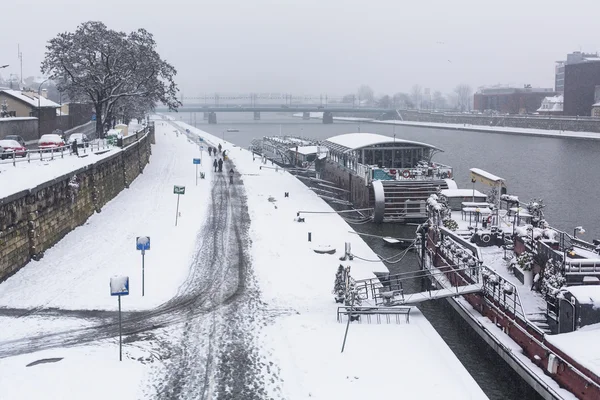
(202, 140)
(119, 286)
(93, 117)
(142, 243)
(196, 161)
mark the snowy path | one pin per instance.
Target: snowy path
(212, 316)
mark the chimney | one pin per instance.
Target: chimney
(45, 93)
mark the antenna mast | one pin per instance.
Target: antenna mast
(20, 55)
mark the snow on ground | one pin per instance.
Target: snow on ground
(24, 175)
(498, 129)
(75, 273)
(304, 341)
(88, 372)
(14, 328)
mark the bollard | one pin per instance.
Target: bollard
(286, 194)
(309, 236)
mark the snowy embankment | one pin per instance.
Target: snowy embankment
(304, 339)
(497, 129)
(74, 274)
(27, 175)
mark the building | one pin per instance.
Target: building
(581, 80)
(26, 104)
(596, 110)
(552, 105)
(508, 100)
(573, 58)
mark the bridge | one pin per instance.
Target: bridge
(210, 111)
(211, 104)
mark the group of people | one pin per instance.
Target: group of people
(218, 164)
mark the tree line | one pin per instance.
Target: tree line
(419, 98)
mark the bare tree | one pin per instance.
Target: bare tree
(463, 94)
(402, 100)
(366, 93)
(384, 101)
(416, 94)
(104, 66)
(439, 101)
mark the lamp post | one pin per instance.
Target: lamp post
(578, 229)
(39, 114)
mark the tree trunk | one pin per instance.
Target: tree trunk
(99, 122)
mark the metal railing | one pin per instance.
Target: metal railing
(49, 154)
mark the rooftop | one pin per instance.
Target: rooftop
(354, 141)
(30, 98)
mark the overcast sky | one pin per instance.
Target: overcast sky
(325, 46)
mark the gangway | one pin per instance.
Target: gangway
(390, 291)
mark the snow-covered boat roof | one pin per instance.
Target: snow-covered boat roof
(486, 175)
(306, 150)
(354, 141)
(586, 294)
(462, 193)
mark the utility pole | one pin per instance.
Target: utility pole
(20, 55)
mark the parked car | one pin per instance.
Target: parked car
(82, 139)
(10, 147)
(50, 141)
(17, 138)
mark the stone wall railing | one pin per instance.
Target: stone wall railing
(34, 220)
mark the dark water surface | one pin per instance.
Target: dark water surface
(565, 173)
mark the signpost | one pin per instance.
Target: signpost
(142, 243)
(119, 286)
(197, 162)
(178, 190)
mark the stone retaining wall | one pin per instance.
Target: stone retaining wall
(35, 220)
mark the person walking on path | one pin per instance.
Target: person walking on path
(74, 148)
(210, 151)
(220, 165)
(231, 176)
(220, 147)
(215, 164)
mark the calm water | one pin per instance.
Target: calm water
(563, 172)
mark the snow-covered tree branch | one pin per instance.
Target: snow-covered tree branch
(119, 73)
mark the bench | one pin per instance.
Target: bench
(378, 312)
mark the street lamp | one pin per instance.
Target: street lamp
(578, 229)
(39, 114)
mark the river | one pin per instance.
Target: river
(562, 172)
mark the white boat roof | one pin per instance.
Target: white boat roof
(353, 141)
(462, 193)
(306, 150)
(486, 175)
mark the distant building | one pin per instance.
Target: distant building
(25, 104)
(572, 58)
(581, 80)
(552, 105)
(508, 100)
(596, 110)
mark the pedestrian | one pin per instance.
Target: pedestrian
(215, 164)
(220, 147)
(215, 151)
(224, 155)
(74, 148)
(231, 176)
(209, 151)
(220, 165)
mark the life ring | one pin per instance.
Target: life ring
(489, 219)
(449, 174)
(486, 238)
(406, 173)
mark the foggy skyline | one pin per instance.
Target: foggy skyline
(327, 46)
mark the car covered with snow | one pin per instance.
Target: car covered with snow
(12, 148)
(50, 141)
(17, 138)
(81, 138)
